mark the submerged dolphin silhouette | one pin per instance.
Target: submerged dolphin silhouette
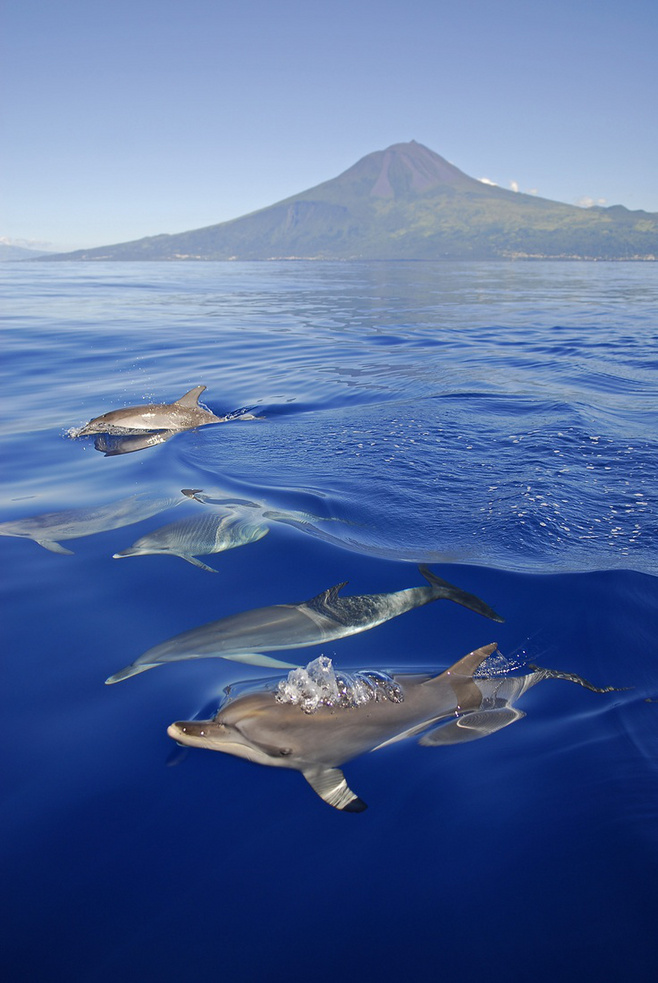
(264, 729)
(49, 528)
(243, 637)
(184, 414)
(203, 534)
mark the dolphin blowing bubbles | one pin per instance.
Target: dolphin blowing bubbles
(317, 720)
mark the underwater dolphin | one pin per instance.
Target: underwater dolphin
(184, 414)
(49, 528)
(267, 729)
(198, 535)
(243, 637)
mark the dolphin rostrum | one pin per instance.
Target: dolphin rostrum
(272, 726)
(49, 528)
(184, 414)
(243, 637)
(198, 535)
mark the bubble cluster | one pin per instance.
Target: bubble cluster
(318, 685)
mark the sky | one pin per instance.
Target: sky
(129, 118)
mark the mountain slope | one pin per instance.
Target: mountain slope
(405, 202)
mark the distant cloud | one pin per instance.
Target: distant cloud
(25, 243)
(485, 180)
(514, 185)
(587, 202)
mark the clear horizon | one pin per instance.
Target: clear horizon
(149, 117)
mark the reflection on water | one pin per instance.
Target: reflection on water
(49, 528)
(112, 445)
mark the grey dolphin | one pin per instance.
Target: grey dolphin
(184, 414)
(49, 528)
(198, 535)
(243, 637)
(268, 730)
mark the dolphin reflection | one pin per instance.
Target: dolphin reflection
(272, 726)
(198, 535)
(245, 636)
(49, 528)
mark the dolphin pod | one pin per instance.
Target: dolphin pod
(184, 414)
(49, 528)
(449, 708)
(202, 534)
(245, 636)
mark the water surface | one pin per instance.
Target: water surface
(496, 420)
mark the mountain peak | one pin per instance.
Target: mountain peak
(407, 168)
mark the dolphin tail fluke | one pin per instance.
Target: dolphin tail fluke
(50, 544)
(330, 785)
(472, 726)
(446, 591)
(132, 670)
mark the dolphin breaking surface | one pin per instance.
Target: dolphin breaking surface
(317, 719)
(183, 414)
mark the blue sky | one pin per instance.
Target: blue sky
(133, 117)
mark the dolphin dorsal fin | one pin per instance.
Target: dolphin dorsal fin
(327, 597)
(330, 785)
(467, 665)
(459, 678)
(191, 398)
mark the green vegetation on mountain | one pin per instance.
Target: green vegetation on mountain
(406, 203)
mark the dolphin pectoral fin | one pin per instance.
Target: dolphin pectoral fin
(196, 563)
(472, 726)
(258, 659)
(330, 785)
(191, 398)
(50, 544)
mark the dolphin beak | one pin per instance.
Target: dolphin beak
(189, 732)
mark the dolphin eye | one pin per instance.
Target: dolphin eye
(285, 751)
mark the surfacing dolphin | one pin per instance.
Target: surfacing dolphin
(363, 713)
(184, 414)
(49, 528)
(198, 535)
(245, 636)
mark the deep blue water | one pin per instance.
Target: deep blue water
(498, 421)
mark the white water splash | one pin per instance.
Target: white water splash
(319, 685)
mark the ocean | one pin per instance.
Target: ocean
(497, 422)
